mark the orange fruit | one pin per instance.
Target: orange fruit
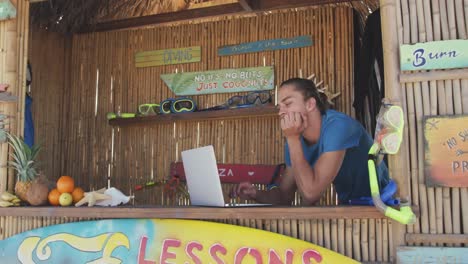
(77, 194)
(54, 197)
(65, 184)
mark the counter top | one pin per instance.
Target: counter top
(195, 212)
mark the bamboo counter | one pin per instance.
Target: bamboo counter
(195, 212)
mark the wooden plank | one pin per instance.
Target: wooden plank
(265, 45)
(431, 255)
(437, 238)
(197, 116)
(194, 212)
(188, 14)
(451, 74)
(280, 4)
(208, 11)
(167, 56)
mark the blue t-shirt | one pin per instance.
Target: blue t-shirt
(341, 132)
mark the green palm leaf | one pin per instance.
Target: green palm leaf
(23, 158)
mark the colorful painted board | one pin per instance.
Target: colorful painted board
(236, 173)
(432, 255)
(167, 56)
(265, 45)
(446, 151)
(7, 10)
(220, 81)
(151, 241)
(434, 55)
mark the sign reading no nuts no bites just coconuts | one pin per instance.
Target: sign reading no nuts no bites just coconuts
(220, 81)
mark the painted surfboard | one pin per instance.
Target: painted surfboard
(151, 241)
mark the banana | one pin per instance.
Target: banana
(16, 200)
(5, 204)
(6, 196)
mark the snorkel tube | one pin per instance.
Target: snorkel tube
(389, 134)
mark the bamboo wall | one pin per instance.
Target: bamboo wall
(13, 59)
(102, 65)
(103, 71)
(441, 209)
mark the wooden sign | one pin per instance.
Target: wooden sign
(236, 173)
(446, 151)
(7, 10)
(265, 45)
(220, 81)
(151, 241)
(434, 55)
(167, 56)
(432, 255)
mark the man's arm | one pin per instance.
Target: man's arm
(313, 181)
(283, 195)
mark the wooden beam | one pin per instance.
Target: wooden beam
(452, 74)
(265, 5)
(195, 212)
(166, 17)
(241, 6)
(436, 238)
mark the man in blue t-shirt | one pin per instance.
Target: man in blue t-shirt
(322, 147)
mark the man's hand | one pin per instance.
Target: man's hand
(244, 190)
(293, 124)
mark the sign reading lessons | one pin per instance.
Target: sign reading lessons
(272, 44)
(153, 241)
(220, 81)
(446, 151)
(434, 55)
(167, 56)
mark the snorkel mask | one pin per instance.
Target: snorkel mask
(178, 105)
(387, 140)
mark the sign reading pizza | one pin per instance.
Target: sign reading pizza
(446, 151)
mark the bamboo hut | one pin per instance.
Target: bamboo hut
(83, 60)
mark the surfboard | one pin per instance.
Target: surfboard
(158, 241)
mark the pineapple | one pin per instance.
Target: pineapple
(24, 162)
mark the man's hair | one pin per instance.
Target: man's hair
(308, 89)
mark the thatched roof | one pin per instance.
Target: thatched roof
(68, 16)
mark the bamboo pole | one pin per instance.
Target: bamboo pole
(372, 241)
(356, 239)
(385, 248)
(397, 163)
(464, 191)
(365, 240)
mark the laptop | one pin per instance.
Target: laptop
(201, 173)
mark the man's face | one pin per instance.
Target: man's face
(290, 100)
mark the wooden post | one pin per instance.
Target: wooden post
(398, 164)
(13, 43)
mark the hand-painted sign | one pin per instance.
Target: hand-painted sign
(446, 151)
(235, 173)
(220, 81)
(434, 55)
(167, 56)
(264, 45)
(7, 10)
(151, 241)
(432, 255)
